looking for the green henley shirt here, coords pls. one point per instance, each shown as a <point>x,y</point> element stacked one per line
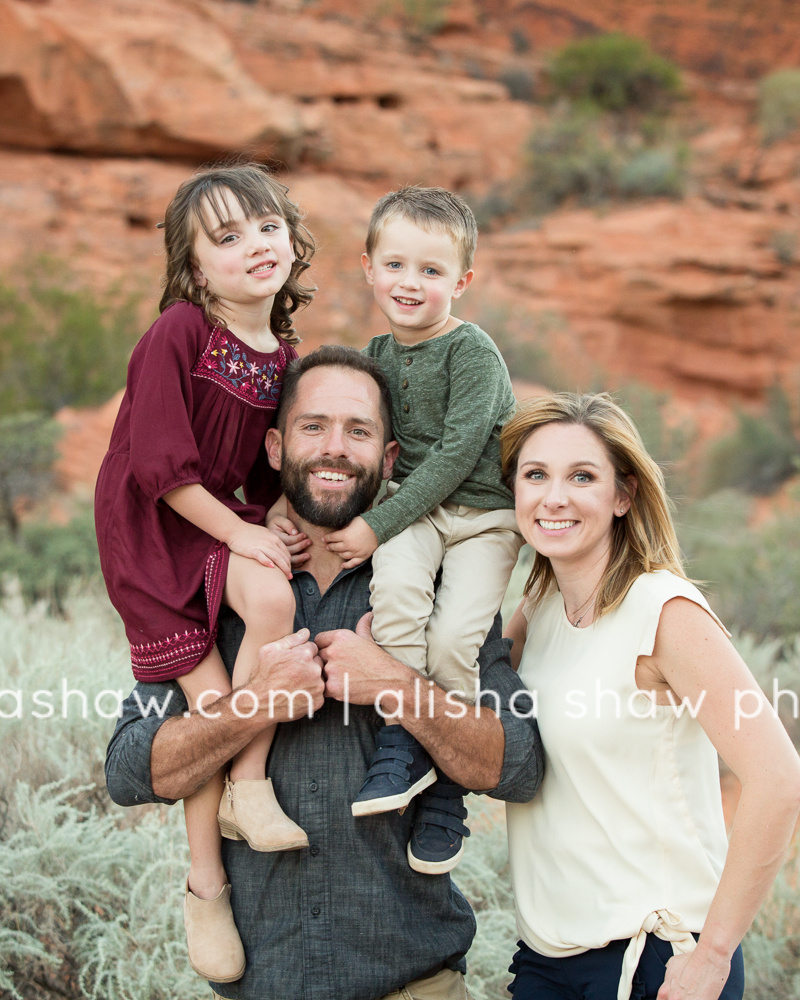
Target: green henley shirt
<point>450,397</point>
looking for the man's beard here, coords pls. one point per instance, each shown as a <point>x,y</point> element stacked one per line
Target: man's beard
<point>335,509</point>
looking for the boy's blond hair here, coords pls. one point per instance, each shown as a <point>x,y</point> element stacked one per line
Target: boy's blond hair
<point>429,208</point>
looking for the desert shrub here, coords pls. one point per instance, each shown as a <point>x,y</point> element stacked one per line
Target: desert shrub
<point>580,156</point>
<point>571,157</point>
<point>422,18</point>
<point>616,73</point>
<point>27,453</point>
<point>61,345</point>
<point>772,947</point>
<point>49,559</point>
<point>752,572</point>
<point>762,453</point>
<point>652,173</point>
<point>784,245</point>
<point>779,104</point>
<point>520,83</point>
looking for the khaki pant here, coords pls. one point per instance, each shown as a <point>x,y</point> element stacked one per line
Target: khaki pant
<point>477,550</point>
<point>445,985</point>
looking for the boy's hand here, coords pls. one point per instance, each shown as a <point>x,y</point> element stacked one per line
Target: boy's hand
<point>295,541</point>
<point>256,542</point>
<point>354,544</point>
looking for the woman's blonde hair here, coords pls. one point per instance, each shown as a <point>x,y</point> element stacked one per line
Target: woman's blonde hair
<point>644,539</point>
<point>258,193</point>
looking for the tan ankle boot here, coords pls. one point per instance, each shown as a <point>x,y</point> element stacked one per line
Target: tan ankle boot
<point>249,811</point>
<point>215,948</point>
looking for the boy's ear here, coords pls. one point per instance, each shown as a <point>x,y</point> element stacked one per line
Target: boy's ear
<point>366,263</point>
<point>463,283</point>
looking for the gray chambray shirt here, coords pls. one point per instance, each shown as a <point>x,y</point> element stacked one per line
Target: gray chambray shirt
<point>346,919</point>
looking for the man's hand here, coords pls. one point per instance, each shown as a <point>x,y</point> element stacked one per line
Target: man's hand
<point>354,543</point>
<point>295,541</point>
<point>700,975</point>
<point>256,542</point>
<point>287,678</point>
<point>356,656</point>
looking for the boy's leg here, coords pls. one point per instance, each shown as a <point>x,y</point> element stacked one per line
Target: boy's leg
<point>481,552</point>
<point>404,570</point>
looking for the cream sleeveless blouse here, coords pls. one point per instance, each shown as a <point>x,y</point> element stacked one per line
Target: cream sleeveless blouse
<point>626,834</point>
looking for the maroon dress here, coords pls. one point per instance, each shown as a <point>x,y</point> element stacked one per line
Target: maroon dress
<point>196,410</point>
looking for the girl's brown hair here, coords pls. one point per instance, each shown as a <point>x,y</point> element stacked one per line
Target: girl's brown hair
<point>258,193</point>
<point>644,539</point>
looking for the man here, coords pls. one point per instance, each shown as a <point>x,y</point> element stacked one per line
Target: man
<point>346,919</point>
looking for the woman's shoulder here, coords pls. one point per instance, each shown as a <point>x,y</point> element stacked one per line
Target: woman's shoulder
<point>647,596</point>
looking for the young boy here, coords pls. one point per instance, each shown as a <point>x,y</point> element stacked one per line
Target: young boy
<point>447,505</point>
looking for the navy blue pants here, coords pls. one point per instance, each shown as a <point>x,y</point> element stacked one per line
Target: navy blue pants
<point>594,975</point>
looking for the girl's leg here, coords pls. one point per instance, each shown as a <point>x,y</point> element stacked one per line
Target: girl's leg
<point>215,948</point>
<point>249,810</point>
<point>263,599</point>
<point>206,873</point>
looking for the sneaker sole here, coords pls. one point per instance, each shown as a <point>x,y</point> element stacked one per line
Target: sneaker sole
<point>372,807</point>
<point>434,867</point>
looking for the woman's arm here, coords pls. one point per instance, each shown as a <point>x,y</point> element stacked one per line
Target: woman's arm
<point>696,660</point>
<point>517,631</point>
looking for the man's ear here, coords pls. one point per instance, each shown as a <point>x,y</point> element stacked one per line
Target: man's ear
<point>366,263</point>
<point>390,453</point>
<point>274,446</point>
<point>463,283</point>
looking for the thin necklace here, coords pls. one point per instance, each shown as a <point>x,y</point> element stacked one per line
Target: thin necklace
<point>585,605</point>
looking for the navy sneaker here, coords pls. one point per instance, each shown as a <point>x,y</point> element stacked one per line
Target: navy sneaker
<point>400,768</point>
<point>437,840</point>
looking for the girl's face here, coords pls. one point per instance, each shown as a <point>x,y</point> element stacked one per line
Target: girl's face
<point>248,260</point>
<point>566,495</point>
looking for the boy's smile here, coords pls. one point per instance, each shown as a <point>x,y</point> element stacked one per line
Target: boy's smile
<point>416,273</point>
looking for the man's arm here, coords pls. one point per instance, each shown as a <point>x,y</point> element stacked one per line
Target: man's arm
<point>495,749</point>
<point>152,759</point>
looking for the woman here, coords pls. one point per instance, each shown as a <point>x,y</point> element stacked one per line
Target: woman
<point>620,861</point>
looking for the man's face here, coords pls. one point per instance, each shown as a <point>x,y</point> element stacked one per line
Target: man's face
<point>331,454</point>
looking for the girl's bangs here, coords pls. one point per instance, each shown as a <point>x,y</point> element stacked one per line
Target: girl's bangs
<point>254,197</point>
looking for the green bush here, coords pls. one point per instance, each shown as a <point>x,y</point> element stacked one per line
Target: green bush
<point>752,573</point>
<point>779,105</point>
<point>571,157</point>
<point>653,173</point>
<point>580,156</point>
<point>762,453</point>
<point>615,73</point>
<point>61,345</point>
<point>49,559</point>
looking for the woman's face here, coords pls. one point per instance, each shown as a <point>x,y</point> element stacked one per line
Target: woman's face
<point>566,495</point>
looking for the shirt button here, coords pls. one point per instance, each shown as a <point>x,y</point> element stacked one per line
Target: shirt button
<point>406,408</point>
<point>409,360</point>
<point>313,851</point>
<point>405,383</point>
<point>315,911</point>
<point>313,786</point>
<point>309,591</point>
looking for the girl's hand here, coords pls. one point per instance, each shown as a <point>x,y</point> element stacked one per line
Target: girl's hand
<point>253,541</point>
<point>354,543</point>
<point>295,541</point>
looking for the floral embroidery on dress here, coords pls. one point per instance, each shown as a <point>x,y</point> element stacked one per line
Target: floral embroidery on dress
<point>225,362</point>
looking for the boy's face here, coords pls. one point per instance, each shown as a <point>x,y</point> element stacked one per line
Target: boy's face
<point>415,274</point>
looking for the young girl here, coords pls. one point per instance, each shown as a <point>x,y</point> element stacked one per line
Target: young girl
<point>175,542</point>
